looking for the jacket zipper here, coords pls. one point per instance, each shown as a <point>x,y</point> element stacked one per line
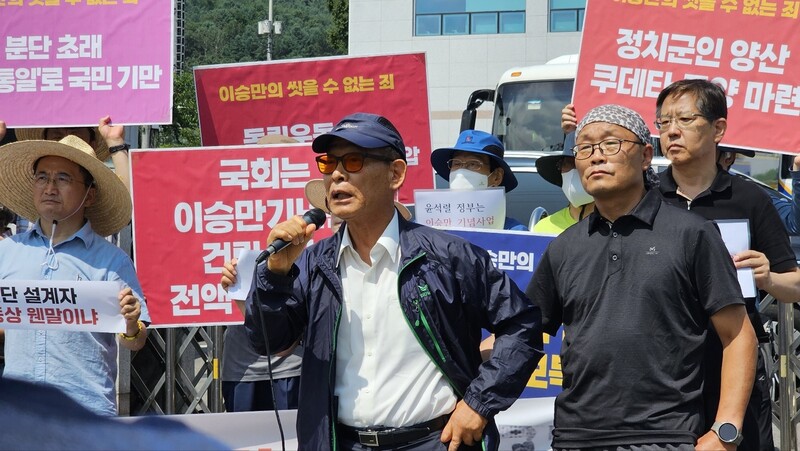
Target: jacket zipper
<point>332,377</point>
<point>427,328</point>
<point>426,325</point>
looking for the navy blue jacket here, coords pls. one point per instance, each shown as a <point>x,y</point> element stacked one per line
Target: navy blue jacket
<point>449,290</point>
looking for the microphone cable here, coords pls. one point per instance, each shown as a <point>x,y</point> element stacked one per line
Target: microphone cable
<point>269,356</point>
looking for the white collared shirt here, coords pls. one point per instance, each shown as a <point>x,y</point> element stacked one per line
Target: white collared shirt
<point>383,375</point>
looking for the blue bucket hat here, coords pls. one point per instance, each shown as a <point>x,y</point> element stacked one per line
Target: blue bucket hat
<point>366,130</point>
<point>478,142</point>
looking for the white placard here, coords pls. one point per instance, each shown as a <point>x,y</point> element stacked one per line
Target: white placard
<point>87,306</point>
<point>246,263</point>
<point>481,208</point>
<point>736,235</point>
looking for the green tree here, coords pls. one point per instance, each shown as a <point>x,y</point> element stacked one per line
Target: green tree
<point>337,33</point>
<point>226,31</point>
<point>184,130</point>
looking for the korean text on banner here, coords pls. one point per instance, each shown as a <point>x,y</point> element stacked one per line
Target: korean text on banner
<point>60,305</point>
<point>70,63</point>
<point>517,253</point>
<point>477,209</point>
<point>187,223</point>
<point>631,50</point>
<point>302,99</point>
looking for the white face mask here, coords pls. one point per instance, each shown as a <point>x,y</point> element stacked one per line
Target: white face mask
<point>571,185</point>
<point>466,179</point>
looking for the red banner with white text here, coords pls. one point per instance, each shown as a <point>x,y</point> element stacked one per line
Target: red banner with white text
<point>302,99</point>
<point>195,209</point>
<point>632,49</point>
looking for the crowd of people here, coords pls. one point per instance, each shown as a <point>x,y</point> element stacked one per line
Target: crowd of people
<point>375,334</point>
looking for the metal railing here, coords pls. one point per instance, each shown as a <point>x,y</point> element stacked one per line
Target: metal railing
<point>177,372</point>
<point>783,368</point>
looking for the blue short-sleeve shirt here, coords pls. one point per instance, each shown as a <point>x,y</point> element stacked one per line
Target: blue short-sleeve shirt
<point>82,364</point>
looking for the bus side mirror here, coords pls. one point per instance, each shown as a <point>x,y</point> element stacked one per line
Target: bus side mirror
<point>470,114</point>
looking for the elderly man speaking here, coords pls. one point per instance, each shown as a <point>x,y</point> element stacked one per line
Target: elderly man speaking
<point>74,200</point>
<point>390,313</point>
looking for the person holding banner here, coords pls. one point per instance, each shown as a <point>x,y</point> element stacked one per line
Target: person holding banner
<point>788,210</point>
<point>691,117</point>
<point>476,162</point>
<point>247,384</point>
<point>635,286</point>
<point>73,200</point>
<point>390,313</point>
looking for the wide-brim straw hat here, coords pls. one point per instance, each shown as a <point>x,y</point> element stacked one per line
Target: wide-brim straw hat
<point>111,210</point>
<point>316,194</point>
<point>100,146</point>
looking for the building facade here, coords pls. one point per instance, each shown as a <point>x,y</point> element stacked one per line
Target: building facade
<point>468,44</point>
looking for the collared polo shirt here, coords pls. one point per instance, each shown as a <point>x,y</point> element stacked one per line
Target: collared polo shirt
<point>81,364</point>
<point>731,197</point>
<point>635,297</point>
<point>383,375</point>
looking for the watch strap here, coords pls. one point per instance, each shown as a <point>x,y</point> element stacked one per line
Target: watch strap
<point>114,149</point>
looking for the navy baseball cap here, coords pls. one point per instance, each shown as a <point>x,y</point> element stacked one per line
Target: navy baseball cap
<point>366,130</point>
<point>479,142</point>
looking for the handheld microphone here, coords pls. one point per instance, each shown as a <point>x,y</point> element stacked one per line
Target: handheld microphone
<point>314,216</point>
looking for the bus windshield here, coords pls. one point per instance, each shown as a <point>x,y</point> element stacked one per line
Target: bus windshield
<point>527,114</point>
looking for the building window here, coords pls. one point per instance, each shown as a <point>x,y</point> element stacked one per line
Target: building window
<point>566,15</point>
<point>512,22</point>
<point>429,25</point>
<point>453,17</point>
<point>484,23</point>
<point>455,24</point>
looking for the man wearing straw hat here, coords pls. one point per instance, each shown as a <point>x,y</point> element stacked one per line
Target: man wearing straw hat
<point>107,140</point>
<point>73,200</point>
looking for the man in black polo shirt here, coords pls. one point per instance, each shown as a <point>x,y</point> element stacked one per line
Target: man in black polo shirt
<point>691,119</point>
<point>635,285</point>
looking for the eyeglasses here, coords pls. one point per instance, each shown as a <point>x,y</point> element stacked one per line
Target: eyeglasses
<point>607,147</point>
<point>61,181</point>
<point>352,162</point>
<point>472,165</point>
<point>682,122</point>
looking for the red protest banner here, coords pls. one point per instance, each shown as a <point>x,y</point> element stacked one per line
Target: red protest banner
<point>302,99</point>
<point>187,224</point>
<point>632,49</point>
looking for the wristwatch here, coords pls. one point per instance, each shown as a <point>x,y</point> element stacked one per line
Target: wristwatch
<point>727,432</point>
<point>118,148</point>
